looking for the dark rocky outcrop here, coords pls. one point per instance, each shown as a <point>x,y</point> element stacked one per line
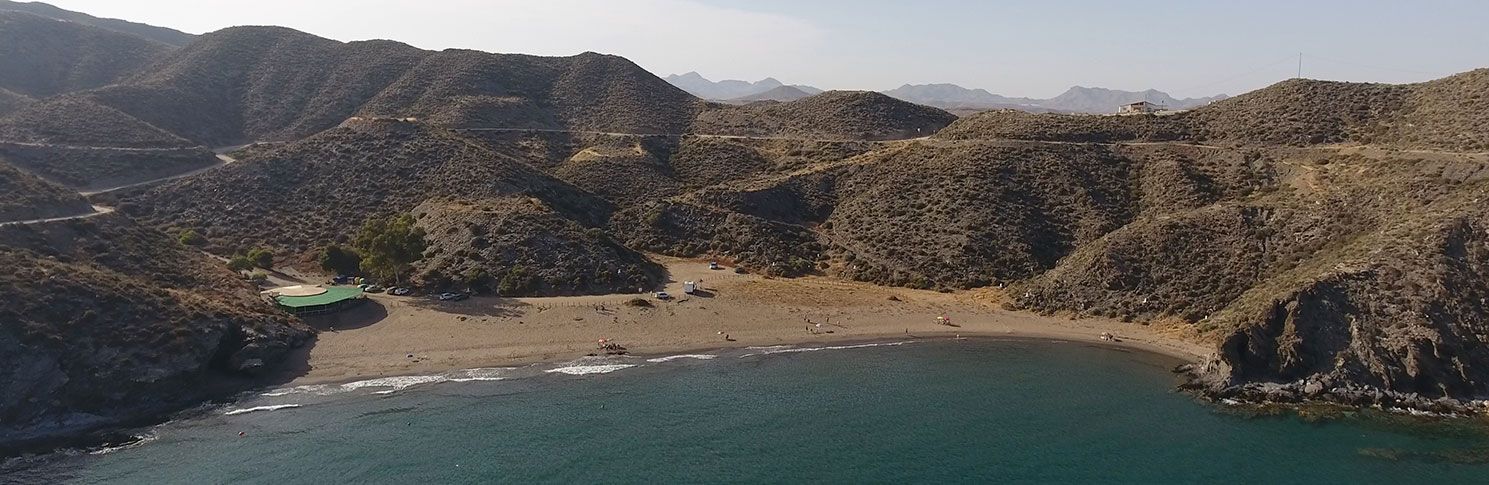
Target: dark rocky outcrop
<point>106,323</point>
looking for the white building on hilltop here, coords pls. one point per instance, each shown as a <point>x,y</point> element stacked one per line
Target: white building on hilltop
<point>1140,107</point>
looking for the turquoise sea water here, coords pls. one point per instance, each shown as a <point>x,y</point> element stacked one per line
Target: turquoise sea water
<point>929,411</point>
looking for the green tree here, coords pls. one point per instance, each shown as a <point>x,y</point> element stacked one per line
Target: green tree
<point>389,246</point>
<point>240,263</point>
<point>340,261</point>
<point>516,282</point>
<point>261,257</point>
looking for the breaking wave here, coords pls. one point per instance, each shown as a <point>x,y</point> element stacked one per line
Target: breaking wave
<point>275,407</point>
<point>683,356</point>
<point>579,370</point>
<point>785,349</point>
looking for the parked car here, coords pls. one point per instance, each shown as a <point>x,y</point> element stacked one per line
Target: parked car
<point>713,265</point>
<point>451,296</point>
<point>373,289</point>
<point>662,295</point>
<point>400,291</point>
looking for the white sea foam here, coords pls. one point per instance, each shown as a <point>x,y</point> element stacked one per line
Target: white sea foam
<point>275,407</point>
<point>478,374</point>
<point>683,356</point>
<point>770,347</point>
<point>393,384</point>
<point>579,370</point>
<point>139,440</point>
<point>389,385</point>
<point>831,347</point>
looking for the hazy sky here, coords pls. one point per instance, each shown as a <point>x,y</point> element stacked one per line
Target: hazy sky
<point>1015,47</point>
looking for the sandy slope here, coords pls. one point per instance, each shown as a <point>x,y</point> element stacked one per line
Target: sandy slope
<point>377,338</point>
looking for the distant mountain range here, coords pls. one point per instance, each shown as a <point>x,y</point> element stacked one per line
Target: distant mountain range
<point>1078,99</point>
<point>729,89</point>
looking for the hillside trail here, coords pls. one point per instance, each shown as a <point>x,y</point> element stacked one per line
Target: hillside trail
<point>697,135</point>
<point>99,210</point>
<point>222,158</point>
<point>61,146</point>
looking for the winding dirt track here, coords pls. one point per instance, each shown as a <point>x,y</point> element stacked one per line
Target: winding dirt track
<point>99,210</point>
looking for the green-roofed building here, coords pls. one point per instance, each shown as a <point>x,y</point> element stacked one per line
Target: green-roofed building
<point>305,300</point>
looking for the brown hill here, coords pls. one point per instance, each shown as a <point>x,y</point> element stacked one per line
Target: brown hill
<point>1022,125</point>
<point>1451,113</point>
<point>158,34</point>
<point>1443,114</point>
<point>79,120</point>
<point>298,196</point>
<point>246,84</point>
<point>107,323</point>
<point>832,115</point>
<point>282,84</point>
<point>779,93</point>
<point>1295,260</point>
<point>592,92</point>
<point>630,169</point>
<point>518,246</point>
<point>41,57</point>
<point>1301,112</point>
<point>24,197</point>
<point>84,168</point>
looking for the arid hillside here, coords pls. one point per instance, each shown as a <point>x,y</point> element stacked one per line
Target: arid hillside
<point>587,92</point>
<point>246,84</point>
<point>158,34</point>
<point>300,195</point>
<point>24,196</point>
<point>108,322</point>
<point>1442,114</point>
<point>861,115</point>
<point>85,168</point>
<point>77,120</point>
<point>41,57</point>
<point>11,101</point>
<point>1325,237</point>
<point>518,246</point>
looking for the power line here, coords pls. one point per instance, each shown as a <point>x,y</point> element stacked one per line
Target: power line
<point>1241,75</point>
<point>1369,66</point>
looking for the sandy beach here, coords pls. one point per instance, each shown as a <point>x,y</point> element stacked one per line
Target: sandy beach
<point>391,336</point>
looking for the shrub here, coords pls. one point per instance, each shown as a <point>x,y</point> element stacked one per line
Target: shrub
<point>261,257</point>
<point>477,279</point>
<point>516,282</point>
<point>190,237</point>
<point>240,264</point>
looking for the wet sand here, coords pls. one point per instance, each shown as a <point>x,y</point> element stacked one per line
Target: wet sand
<point>392,336</point>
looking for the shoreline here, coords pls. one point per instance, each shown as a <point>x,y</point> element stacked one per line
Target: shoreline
<point>1173,355</point>
<point>391,336</point>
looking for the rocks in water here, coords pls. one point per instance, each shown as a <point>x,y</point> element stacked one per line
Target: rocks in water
<point>1316,390</point>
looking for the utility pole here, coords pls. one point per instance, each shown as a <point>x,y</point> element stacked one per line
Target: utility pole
<point>1300,65</point>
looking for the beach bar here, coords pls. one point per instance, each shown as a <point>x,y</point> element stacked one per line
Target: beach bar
<point>306,300</point>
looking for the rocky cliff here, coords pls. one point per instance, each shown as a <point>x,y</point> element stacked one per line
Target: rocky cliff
<point>106,323</point>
